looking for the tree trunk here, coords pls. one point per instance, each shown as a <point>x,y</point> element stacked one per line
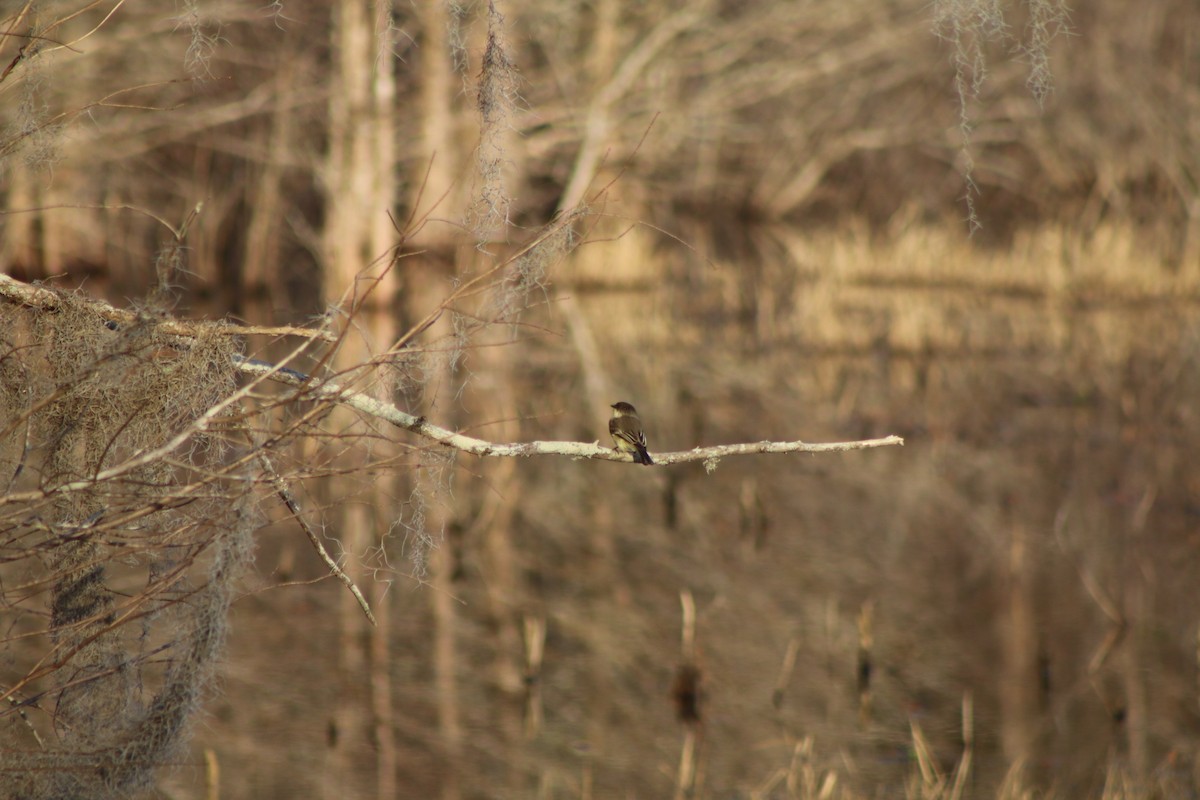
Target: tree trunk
<point>360,181</point>
<point>1019,692</point>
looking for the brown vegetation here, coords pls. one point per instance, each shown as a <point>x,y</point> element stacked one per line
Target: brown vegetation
<point>760,237</point>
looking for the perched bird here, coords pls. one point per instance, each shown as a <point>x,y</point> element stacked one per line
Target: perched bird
<point>626,429</point>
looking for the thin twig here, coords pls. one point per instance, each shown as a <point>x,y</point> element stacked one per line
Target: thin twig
<point>285,494</point>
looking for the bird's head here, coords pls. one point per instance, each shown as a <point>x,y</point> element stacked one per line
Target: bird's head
<point>623,409</point>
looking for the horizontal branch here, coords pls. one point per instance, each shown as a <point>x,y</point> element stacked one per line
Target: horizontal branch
<point>39,297</point>
<point>329,390</point>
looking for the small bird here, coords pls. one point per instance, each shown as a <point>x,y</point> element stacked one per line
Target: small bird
<point>626,429</point>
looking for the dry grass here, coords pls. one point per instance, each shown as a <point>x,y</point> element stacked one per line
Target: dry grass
<point>937,290</point>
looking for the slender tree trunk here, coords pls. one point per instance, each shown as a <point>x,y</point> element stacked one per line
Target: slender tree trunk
<point>496,404</point>
<point>445,661</point>
<point>1019,692</point>
<point>443,559</point>
<point>1133,670</point>
<point>261,268</point>
<point>360,180</point>
<point>19,245</point>
<point>381,162</point>
<point>1135,664</point>
<point>437,171</point>
<point>437,187</point>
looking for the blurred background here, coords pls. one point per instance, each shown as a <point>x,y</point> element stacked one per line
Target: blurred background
<point>972,224</point>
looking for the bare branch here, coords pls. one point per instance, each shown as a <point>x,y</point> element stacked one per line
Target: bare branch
<point>39,297</point>
<point>329,390</point>
<point>285,494</point>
